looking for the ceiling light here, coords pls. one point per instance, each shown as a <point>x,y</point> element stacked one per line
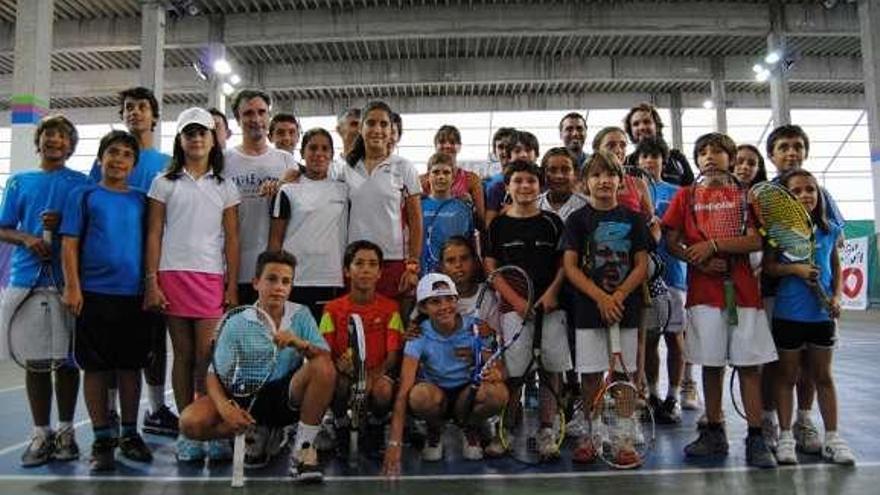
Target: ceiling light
<point>222,67</point>
<point>773,57</point>
<point>757,68</point>
<point>234,79</point>
<point>762,76</point>
<point>707,104</point>
<point>227,89</point>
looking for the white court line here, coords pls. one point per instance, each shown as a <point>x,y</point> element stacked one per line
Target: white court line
<point>11,389</point>
<point>442,477</point>
<point>13,448</point>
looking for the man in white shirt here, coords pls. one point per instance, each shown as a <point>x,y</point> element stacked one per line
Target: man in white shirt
<point>256,168</point>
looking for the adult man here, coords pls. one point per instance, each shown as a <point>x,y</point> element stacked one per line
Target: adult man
<point>573,133</point>
<point>139,110</point>
<point>643,121</point>
<point>347,126</point>
<point>255,167</point>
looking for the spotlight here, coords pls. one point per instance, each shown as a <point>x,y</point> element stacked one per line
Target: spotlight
<point>762,76</point>
<point>222,67</point>
<point>227,89</point>
<point>772,57</point>
<point>234,79</point>
<point>707,104</point>
<point>757,68</point>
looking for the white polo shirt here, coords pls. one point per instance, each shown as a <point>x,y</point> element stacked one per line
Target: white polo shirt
<point>193,240</point>
<point>248,172</point>
<point>317,214</point>
<point>574,202</point>
<point>377,200</point>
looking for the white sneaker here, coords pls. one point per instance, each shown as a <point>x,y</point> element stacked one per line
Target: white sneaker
<point>547,448</point>
<point>690,398</point>
<point>838,452</point>
<point>770,432</point>
<point>432,451</point>
<point>785,449</point>
<point>256,454</point>
<point>495,448</point>
<point>807,437</point>
<point>577,427</point>
<point>470,445</point>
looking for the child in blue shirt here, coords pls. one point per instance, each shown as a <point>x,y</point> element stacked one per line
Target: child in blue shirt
<point>801,323</point>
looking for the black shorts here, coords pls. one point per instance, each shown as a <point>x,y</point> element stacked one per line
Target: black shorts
<point>112,333</point>
<point>273,405</point>
<point>315,298</point>
<point>247,294</point>
<point>791,335</point>
<point>452,395</point>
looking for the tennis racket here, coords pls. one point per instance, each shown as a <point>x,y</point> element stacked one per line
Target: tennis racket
<point>719,210</point>
<point>243,360</point>
<point>787,227</point>
<point>449,219</point>
<point>524,441</point>
<point>357,401</point>
<point>620,417</point>
<point>40,331</point>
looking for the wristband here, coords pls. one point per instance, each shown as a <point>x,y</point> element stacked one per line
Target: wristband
<point>150,276</point>
<point>394,443</point>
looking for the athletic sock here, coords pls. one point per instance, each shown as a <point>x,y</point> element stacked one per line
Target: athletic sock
<point>769,415</point>
<point>128,429</point>
<point>673,392</point>
<point>64,426</point>
<point>112,399</point>
<point>653,390</point>
<point>830,435</point>
<point>102,433</point>
<point>305,434</point>
<point>803,416</point>
<point>42,431</point>
<point>156,394</point>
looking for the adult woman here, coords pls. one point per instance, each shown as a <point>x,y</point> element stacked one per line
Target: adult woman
<point>382,189</point>
<point>466,185</point>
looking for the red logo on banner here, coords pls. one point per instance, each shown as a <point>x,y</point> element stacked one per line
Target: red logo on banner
<point>853,278</point>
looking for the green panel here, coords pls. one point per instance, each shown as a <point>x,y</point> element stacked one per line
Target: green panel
<point>865,228</point>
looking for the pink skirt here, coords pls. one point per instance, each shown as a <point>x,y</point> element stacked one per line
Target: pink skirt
<point>192,294</point>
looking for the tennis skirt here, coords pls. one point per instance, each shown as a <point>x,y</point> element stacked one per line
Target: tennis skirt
<point>192,294</point>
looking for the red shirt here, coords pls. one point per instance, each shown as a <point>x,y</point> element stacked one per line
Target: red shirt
<point>704,288</point>
<point>383,328</point>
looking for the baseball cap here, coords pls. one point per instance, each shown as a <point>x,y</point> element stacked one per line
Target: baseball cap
<point>194,115</point>
<point>435,285</point>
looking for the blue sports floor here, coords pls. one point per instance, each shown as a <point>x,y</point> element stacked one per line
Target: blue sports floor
<point>666,471</point>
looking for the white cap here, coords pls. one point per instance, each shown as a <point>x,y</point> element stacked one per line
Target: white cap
<point>435,285</point>
<point>194,115</point>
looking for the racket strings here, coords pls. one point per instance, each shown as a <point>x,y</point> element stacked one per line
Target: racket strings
<point>245,353</point>
<point>718,210</point>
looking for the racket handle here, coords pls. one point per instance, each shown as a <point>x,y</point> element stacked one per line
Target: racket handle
<point>238,461</point>
<point>614,338</point>
<point>730,302</point>
<point>47,236</point>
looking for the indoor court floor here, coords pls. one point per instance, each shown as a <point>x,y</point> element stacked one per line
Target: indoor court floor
<point>665,472</point>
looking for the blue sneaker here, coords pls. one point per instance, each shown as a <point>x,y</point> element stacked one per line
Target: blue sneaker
<point>189,450</point>
<point>219,450</point>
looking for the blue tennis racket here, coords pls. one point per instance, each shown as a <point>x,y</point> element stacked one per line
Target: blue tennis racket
<point>244,359</point>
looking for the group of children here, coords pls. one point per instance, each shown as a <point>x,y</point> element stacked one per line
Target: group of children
<point>149,244</point>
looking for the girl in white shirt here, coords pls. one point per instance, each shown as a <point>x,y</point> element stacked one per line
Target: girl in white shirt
<point>192,254</point>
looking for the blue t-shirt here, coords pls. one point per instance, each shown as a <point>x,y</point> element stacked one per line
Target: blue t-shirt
<point>496,192</point>
<point>676,269</point>
<point>445,361</point>
<point>151,162</point>
<point>28,195</point>
<point>110,227</point>
<point>298,320</point>
<point>795,300</point>
<point>442,219</point>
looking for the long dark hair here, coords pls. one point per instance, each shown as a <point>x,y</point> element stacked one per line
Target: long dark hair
<point>178,159</point>
<point>311,133</point>
<point>761,174</point>
<point>359,149</point>
<point>819,214</point>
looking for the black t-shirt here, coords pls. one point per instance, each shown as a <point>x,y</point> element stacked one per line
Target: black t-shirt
<point>606,243</point>
<point>533,244</point>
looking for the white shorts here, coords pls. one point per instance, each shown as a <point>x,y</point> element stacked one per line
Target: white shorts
<point>591,349</point>
<point>667,311</point>
<point>710,341</point>
<point>32,317</point>
<point>555,354</point>
<point>769,304</point>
